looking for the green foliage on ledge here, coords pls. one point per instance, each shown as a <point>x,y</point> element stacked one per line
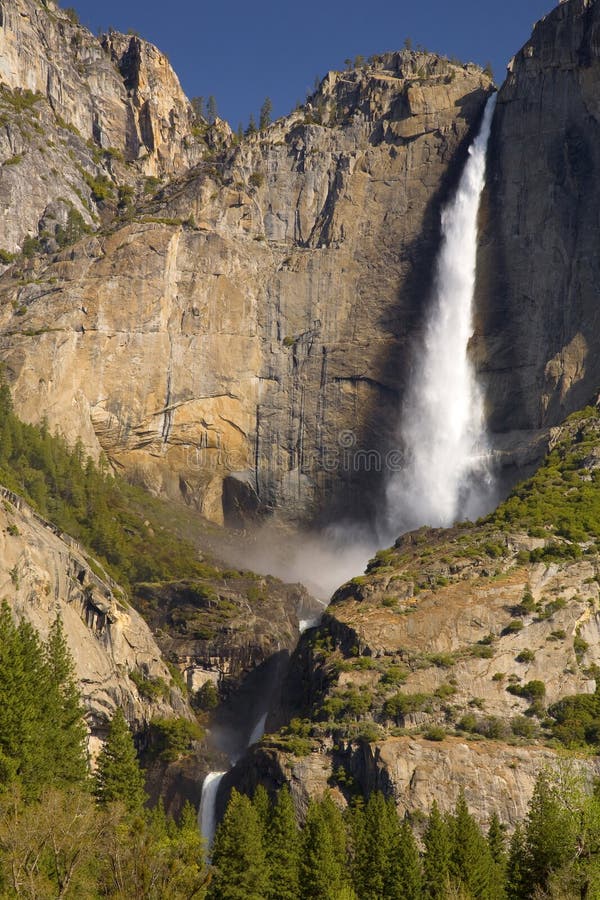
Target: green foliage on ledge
<point>562,499</point>
<point>119,523</point>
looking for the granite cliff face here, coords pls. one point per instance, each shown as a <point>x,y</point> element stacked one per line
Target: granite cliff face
<point>83,120</point>
<point>270,298</point>
<point>42,574</point>
<point>539,266</point>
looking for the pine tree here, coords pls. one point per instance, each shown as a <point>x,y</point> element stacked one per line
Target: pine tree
<point>211,110</point>
<point>283,849</point>
<point>337,828</point>
<point>376,846</point>
<point>496,839</point>
<point>436,861</point>
<point>238,854</point>
<point>67,730</point>
<point>118,774</point>
<point>470,859</point>
<point>407,874</point>
<point>26,717</point>
<point>265,114</point>
<point>262,805</point>
<point>516,870</point>
<point>187,869</point>
<point>251,129</point>
<point>549,834</point>
<point>198,106</point>
<point>321,869</point>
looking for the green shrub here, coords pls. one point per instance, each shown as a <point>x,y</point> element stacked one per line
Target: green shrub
<point>350,704</point>
<point>522,727</point>
<point>364,663</point>
<point>577,720</point>
<point>527,604</point>
<point>71,15</point>
<point>525,656</point>
<point>444,691</point>
<point>435,733</point>
<point>100,186</point>
<point>206,697</point>
<point>257,179</point>
<point>442,660</point>
<point>31,246</point>
<point>579,646</point>
<point>172,738</point>
<point>468,722</point>
<point>148,687</point>
<point>150,184</point>
<point>552,607</point>
<point>514,627</point>
<point>401,705</point>
<point>532,690</point>
<point>563,497</point>
<point>394,675</point>
<point>558,635</point>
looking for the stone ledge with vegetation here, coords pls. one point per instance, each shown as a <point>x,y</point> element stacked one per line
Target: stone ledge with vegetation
<point>477,645</point>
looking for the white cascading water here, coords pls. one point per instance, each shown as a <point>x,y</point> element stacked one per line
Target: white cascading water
<point>447,471</point>
<point>207,811</point>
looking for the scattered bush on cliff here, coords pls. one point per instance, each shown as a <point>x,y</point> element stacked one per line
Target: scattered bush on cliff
<point>576,720</point>
<point>115,520</point>
<point>562,499</point>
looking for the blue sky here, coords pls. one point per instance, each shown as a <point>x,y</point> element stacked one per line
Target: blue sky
<point>244,50</point>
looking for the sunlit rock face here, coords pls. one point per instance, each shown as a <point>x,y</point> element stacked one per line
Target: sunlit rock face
<point>44,574</point>
<point>252,358</point>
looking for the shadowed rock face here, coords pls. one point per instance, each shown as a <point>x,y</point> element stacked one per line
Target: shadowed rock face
<point>539,265</point>
<point>252,359</point>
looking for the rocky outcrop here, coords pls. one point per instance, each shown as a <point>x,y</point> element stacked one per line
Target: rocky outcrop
<point>539,266</point>
<point>44,574</point>
<point>445,665</point>
<point>119,91</point>
<point>495,778</point>
<point>242,342</point>
<point>223,628</point>
<point>83,120</point>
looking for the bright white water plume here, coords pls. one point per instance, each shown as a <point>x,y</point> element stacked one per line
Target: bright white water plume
<point>207,811</point>
<point>447,474</point>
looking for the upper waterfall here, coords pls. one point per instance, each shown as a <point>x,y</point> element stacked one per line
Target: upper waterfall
<point>447,471</point>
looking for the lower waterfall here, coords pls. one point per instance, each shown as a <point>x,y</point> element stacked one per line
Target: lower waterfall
<point>447,471</point>
<point>207,811</point>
